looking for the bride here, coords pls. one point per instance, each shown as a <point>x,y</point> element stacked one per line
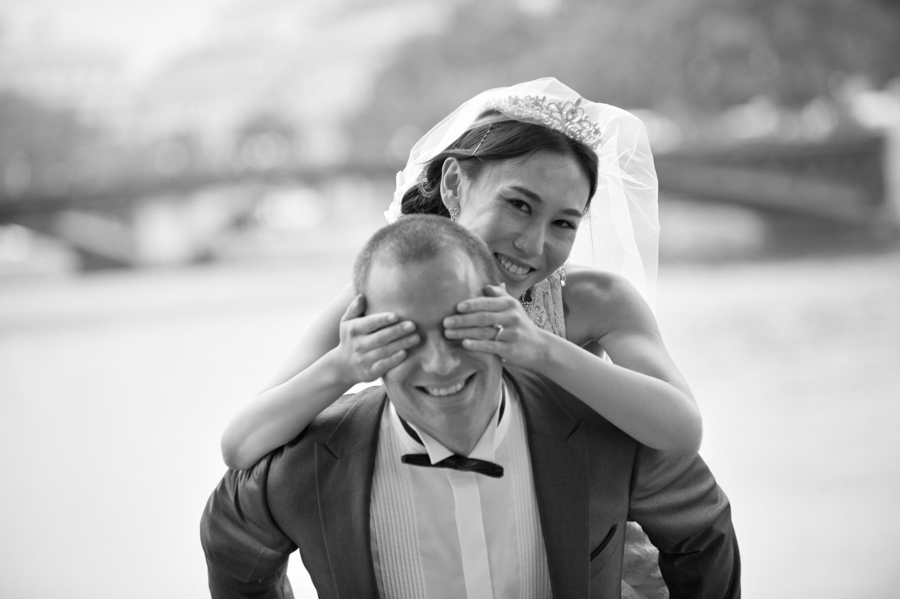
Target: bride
<point>548,180</point>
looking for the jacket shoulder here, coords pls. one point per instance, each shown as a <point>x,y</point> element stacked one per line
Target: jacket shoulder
<point>349,425</point>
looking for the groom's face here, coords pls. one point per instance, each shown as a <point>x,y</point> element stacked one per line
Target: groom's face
<point>440,383</point>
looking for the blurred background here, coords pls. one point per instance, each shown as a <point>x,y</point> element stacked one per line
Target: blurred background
<point>183,186</point>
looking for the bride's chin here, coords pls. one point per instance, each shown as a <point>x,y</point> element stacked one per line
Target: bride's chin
<point>518,289</point>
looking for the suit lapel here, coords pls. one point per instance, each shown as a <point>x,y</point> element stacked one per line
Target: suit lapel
<point>560,464</point>
<point>345,465</point>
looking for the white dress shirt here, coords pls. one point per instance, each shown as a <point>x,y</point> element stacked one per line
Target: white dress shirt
<point>440,533</point>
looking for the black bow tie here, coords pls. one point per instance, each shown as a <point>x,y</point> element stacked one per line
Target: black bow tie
<point>454,462</point>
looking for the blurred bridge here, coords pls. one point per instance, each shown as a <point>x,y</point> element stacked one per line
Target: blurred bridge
<point>156,220</point>
<point>841,182</point>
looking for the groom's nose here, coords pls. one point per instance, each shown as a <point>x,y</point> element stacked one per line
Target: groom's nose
<point>438,355</point>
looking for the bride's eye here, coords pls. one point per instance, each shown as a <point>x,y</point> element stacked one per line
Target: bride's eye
<point>565,224</point>
<point>520,205</point>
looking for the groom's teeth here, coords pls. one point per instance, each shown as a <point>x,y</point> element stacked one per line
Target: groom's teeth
<point>442,391</point>
<point>511,267</point>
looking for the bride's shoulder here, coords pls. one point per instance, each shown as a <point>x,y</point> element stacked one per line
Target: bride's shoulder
<point>585,285</point>
<point>597,301</point>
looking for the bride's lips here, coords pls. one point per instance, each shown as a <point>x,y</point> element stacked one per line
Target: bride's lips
<point>513,268</point>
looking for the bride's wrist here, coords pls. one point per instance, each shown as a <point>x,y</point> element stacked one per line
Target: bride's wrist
<point>336,371</point>
<point>540,351</point>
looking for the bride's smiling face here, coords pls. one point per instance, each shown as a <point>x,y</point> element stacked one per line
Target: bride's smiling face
<point>527,210</point>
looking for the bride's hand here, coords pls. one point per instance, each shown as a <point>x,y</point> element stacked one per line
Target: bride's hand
<point>373,344</point>
<point>480,319</point>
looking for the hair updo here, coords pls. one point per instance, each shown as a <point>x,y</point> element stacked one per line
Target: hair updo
<point>496,139</point>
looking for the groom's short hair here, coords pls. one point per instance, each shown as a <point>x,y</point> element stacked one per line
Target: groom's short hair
<point>420,238</point>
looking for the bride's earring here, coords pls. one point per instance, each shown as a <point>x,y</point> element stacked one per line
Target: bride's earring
<point>454,211</point>
<point>561,272</point>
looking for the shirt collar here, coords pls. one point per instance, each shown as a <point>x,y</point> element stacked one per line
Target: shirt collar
<point>484,449</point>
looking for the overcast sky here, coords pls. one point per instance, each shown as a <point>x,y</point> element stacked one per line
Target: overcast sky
<point>144,31</point>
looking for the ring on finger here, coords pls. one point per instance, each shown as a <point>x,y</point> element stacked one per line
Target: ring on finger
<point>499,328</point>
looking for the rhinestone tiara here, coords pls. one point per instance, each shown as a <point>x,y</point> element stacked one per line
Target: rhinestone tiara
<point>568,117</point>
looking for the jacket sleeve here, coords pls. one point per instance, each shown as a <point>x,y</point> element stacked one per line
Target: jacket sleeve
<point>246,551</point>
<point>688,517</point>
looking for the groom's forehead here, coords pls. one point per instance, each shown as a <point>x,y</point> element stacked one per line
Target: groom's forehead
<point>431,287</point>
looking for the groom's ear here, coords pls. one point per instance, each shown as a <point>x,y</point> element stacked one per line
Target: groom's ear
<point>451,181</point>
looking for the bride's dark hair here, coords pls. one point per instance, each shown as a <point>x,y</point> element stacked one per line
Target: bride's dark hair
<point>494,140</point>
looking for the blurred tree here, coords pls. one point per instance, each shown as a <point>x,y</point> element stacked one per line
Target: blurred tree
<point>173,155</point>
<point>40,146</point>
<point>46,149</point>
<point>683,57</point>
<point>432,75</point>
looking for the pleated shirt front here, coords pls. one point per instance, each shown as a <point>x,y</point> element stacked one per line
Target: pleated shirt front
<point>445,534</point>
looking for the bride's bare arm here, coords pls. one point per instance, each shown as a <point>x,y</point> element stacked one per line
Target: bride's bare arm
<point>657,406</point>
<point>641,391</point>
<point>341,348</point>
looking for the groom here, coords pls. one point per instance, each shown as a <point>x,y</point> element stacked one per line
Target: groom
<point>459,478</point>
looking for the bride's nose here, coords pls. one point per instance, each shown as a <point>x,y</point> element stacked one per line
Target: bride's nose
<point>530,241</point>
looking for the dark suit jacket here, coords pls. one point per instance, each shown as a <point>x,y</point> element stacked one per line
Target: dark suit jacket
<point>589,478</point>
